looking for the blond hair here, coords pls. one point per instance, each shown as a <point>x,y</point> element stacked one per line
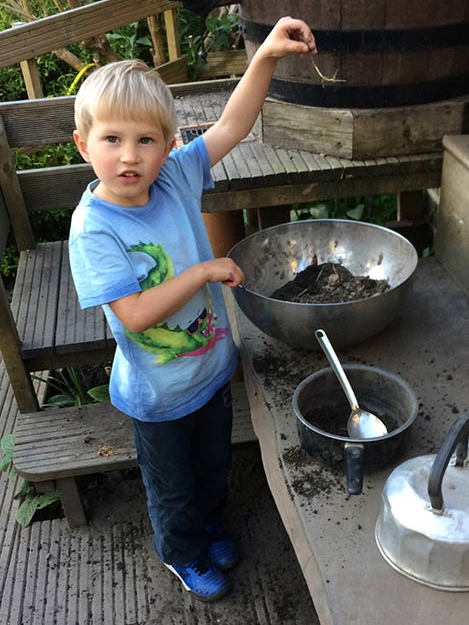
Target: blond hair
<point>129,90</point>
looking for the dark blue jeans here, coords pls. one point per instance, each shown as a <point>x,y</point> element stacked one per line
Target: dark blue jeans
<point>185,465</point>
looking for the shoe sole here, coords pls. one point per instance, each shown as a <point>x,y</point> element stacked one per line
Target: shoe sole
<point>225,590</point>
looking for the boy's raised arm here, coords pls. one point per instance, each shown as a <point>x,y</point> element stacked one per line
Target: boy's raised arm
<point>288,36</point>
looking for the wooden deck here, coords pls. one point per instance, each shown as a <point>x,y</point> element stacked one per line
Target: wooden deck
<point>106,572</point>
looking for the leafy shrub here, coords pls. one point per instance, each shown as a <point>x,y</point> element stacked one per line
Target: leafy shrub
<point>31,500</point>
<point>371,208</point>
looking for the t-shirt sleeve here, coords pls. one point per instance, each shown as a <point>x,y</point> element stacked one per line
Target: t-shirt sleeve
<point>101,270</point>
<point>191,163</point>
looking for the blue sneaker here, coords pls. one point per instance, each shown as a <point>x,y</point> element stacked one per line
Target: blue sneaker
<point>202,580</point>
<point>222,550</point>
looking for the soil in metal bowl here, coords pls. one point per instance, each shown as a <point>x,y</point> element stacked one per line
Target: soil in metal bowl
<point>329,283</point>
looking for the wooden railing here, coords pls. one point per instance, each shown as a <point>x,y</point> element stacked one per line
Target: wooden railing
<point>25,41</point>
<point>57,31</point>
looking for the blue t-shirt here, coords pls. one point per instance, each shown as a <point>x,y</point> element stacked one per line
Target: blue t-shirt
<point>175,367</point>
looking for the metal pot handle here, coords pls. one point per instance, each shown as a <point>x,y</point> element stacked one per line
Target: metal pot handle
<point>354,456</point>
<point>456,438</point>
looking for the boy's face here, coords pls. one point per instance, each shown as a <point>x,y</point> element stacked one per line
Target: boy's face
<point>126,157</point>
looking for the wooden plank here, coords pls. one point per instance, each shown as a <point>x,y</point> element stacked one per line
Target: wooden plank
<point>44,299</point>
<point>58,31</point>
<point>12,357</point>
<point>54,187</point>
<point>77,329</point>
<point>172,37</point>
<point>275,162</point>
<point>312,191</point>
<point>219,175</point>
<point>406,130</point>
<point>263,162</point>
<point>224,63</point>
<point>37,315</point>
<point>4,226</point>
<point>308,128</point>
<point>50,120</point>
<point>174,71</point>
<point>38,122</point>
<point>12,195</point>
<point>249,158</point>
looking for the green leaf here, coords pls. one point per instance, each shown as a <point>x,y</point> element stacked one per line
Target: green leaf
<point>26,511</point>
<point>46,499</point>
<point>144,41</point>
<point>27,488</point>
<point>5,463</point>
<point>357,212</point>
<point>59,401</point>
<point>7,444</point>
<point>100,393</point>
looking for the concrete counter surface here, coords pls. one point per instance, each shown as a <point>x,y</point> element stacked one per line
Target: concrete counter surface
<point>331,531</point>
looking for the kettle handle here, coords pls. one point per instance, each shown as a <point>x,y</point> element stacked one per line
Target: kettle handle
<point>457,437</point>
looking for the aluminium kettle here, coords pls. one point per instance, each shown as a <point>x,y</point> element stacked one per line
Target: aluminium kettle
<point>418,532</point>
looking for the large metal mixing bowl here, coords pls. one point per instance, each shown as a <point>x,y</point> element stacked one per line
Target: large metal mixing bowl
<point>273,256</point>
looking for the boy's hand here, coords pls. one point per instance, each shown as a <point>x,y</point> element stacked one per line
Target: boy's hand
<point>288,36</point>
<point>223,270</point>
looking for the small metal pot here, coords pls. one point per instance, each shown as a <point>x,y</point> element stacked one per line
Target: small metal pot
<point>420,534</point>
<point>384,394</point>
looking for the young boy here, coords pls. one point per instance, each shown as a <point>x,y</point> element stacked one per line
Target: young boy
<point>138,247</point>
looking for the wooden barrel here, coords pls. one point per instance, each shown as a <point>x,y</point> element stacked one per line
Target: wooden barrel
<point>398,53</point>
<point>394,53</point>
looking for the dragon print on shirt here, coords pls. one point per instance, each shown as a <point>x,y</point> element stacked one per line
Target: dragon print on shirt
<point>191,330</point>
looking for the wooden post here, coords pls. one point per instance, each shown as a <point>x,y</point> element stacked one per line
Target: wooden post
<point>71,501</point>
<point>31,77</point>
<point>156,39</point>
<point>410,205</point>
<point>273,216</point>
<point>10,347</point>
<point>172,38</point>
<point>224,229</point>
<point>14,201</point>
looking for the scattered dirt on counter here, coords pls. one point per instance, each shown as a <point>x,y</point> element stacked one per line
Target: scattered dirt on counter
<point>310,478</point>
<point>329,283</point>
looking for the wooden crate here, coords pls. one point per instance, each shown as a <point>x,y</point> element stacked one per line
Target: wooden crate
<point>363,133</point>
<point>452,217</point>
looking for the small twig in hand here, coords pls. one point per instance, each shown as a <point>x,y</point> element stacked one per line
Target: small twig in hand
<point>325,78</point>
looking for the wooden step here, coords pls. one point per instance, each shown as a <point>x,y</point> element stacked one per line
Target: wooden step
<point>67,442</point>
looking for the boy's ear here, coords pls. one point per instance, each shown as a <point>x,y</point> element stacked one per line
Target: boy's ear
<point>169,146</point>
<point>81,145</point>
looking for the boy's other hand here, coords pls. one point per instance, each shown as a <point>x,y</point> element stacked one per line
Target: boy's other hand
<point>289,36</point>
<point>223,270</point>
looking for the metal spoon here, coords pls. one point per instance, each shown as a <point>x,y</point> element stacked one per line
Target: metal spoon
<point>361,424</point>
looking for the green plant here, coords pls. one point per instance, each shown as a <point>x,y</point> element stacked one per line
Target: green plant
<point>31,500</point>
<point>132,42</point>
<point>70,384</point>
<point>373,208</point>
<point>221,33</point>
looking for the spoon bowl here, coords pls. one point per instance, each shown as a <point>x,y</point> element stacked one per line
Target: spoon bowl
<point>361,423</point>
